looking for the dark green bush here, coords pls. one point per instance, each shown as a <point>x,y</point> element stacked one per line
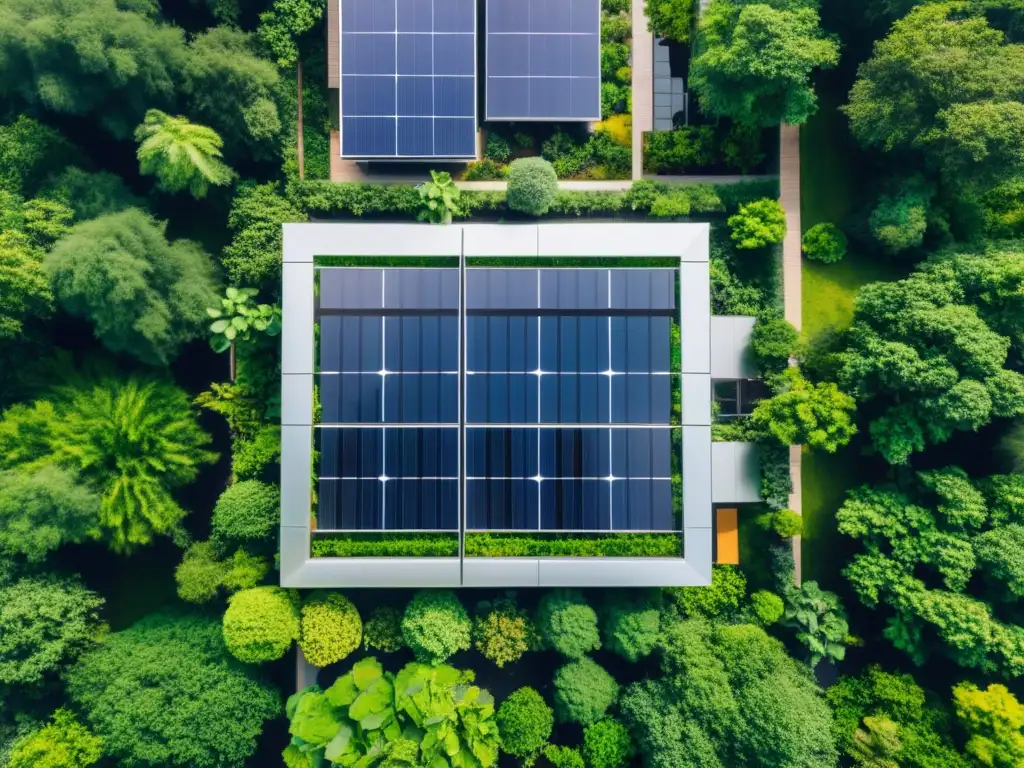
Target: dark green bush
<point>679,151</point>
<point>613,57</point>
<point>485,170</point>
<point>612,545</point>
<point>247,511</point>
<point>583,692</point>
<point>386,545</point>
<point>741,147</point>
<point>383,630</point>
<point>767,607</point>
<point>630,625</point>
<point>720,600</point>
<point>567,623</point>
<point>672,19</point>
<point>607,744</point>
<point>824,242</point>
<point>772,342</point>
<point>497,149</point>
<point>564,757</point>
<point>250,459</point>
<point>615,99</point>
<point>532,185</point>
<point>525,721</point>
<point>776,479</point>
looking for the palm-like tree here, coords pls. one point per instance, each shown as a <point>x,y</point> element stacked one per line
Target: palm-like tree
<point>182,155</point>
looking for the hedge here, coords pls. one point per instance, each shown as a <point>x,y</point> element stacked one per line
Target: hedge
<point>328,200</point>
<point>386,545</point>
<point>569,545</point>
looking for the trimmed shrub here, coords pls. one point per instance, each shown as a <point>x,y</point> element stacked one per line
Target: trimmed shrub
<point>758,224</point>
<point>824,242</point>
<point>383,630</point>
<point>615,545</point>
<point>631,628</point>
<point>785,522</point>
<point>503,633</point>
<point>260,624</point>
<point>721,599</point>
<point>247,511</point>
<point>583,692</point>
<point>525,721</point>
<point>251,458</point>
<point>386,545</point>
<point>567,623</point>
<point>564,757</point>
<point>435,625</point>
<point>532,185</point>
<point>607,744</point>
<point>679,151</point>
<point>767,607</point>
<point>484,170</point>
<point>772,342</point>
<point>331,629</point>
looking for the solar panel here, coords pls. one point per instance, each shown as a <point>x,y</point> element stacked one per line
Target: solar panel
<point>408,78</point>
<point>543,60</point>
<point>556,348</point>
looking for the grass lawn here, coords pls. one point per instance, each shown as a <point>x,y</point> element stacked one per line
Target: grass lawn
<point>825,480</point>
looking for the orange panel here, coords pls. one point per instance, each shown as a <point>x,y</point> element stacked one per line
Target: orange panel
<point>728,534</point>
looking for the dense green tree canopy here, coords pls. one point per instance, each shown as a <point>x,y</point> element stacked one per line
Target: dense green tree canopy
<point>919,560</point>
<point>925,357</point>
<point>994,721</point>
<point>755,59</point>
<point>45,623</point>
<point>801,413</point>
<point>132,440</point>
<point>24,287</point>
<point>144,295</point>
<point>164,692</point>
<point>729,695</point>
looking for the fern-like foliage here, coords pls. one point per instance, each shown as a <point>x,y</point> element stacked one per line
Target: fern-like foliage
<point>132,440</point>
<point>182,155</point>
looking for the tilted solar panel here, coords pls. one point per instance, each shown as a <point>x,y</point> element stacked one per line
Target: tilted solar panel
<point>543,60</point>
<point>408,78</point>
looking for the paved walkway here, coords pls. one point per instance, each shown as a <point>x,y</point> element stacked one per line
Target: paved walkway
<point>642,61</point>
<point>789,183</point>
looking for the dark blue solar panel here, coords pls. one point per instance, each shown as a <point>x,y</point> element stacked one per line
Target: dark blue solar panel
<point>399,61</point>
<point>543,60</point>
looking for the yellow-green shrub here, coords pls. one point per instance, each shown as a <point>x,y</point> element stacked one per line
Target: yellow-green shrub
<point>331,629</point>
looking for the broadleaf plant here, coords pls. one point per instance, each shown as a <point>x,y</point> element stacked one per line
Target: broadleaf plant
<point>237,318</point>
<point>440,198</point>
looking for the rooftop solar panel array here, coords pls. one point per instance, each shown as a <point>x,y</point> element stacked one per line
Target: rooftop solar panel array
<point>543,60</point>
<point>566,422</point>
<point>408,78</point>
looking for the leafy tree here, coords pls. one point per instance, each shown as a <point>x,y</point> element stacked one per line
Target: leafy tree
<point>919,561</point>
<point>767,607</point>
<point>502,632</point>
<point>144,295</point>
<point>254,255</point>
<point>331,629</point>
<point>567,623</point>
<point>924,727</point>
<point>64,743</point>
<point>91,194</point>
<point>784,522</point>
<point>89,59</point>
<point>202,573</point>
<point>45,623</point>
<point>42,510</point>
<point>942,82</point>
<point>234,91</point>
<point>819,619</point>
<point>755,61</point>
<point>24,288</point>
<point>286,21</point>
<point>525,722</point>
<point>583,691</point>
<point>564,757</point>
<point>164,692</point>
<point>29,153</point>
<point>248,511</point>
<point>929,362</point>
<point>1000,554</point>
<point>758,224</point>
<point>728,695</point>
<point>532,185</point>
<point>672,19</point>
<point>720,600</point>
<point>802,413</point>
<point>607,744</point>
<point>994,720</point>
<point>772,342</point>
<point>236,319</point>
<point>877,744</point>
<point>631,626</point>
<point>901,217</point>
<point>132,440</point>
<point>383,630</point>
<point>261,624</point>
<point>182,155</point>
<point>824,242</point>
<point>436,625</point>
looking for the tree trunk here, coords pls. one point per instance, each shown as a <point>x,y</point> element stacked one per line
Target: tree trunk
<point>298,131</point>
